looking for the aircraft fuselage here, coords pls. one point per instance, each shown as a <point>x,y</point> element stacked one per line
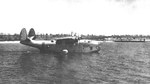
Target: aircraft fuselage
<point>63,44</point>
<point>82,46</point>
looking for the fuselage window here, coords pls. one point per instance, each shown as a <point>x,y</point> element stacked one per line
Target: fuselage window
<point>91,48</point>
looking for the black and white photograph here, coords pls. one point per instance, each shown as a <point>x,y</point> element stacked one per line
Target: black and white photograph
<point>74,41</point>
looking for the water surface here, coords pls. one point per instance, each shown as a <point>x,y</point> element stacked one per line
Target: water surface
<point>115,64</point>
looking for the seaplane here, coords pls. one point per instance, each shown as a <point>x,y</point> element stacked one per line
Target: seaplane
<point>72,44</point>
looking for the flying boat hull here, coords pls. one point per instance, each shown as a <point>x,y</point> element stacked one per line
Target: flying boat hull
<point>66,44</point>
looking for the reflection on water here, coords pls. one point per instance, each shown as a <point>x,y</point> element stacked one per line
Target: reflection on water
<point>26,63</point>
<point>111,66</point>
<point>49,68</point>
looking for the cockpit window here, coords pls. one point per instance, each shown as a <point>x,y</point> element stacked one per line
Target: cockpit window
<point>66,41</point>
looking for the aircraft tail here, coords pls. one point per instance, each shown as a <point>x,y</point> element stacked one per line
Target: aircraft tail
<point>31,34</point>
<point>26,38</point>
<point>23,35</point>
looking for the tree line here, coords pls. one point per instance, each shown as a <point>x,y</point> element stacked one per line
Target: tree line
<point>16,37</point>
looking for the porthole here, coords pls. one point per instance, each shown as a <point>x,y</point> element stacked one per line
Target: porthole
<point>48,46</point>
<point>91,48</point>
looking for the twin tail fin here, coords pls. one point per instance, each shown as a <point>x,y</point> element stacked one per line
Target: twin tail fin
<point>31,35</point>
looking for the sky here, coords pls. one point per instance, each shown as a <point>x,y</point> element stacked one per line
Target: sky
<point>99,17</point>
